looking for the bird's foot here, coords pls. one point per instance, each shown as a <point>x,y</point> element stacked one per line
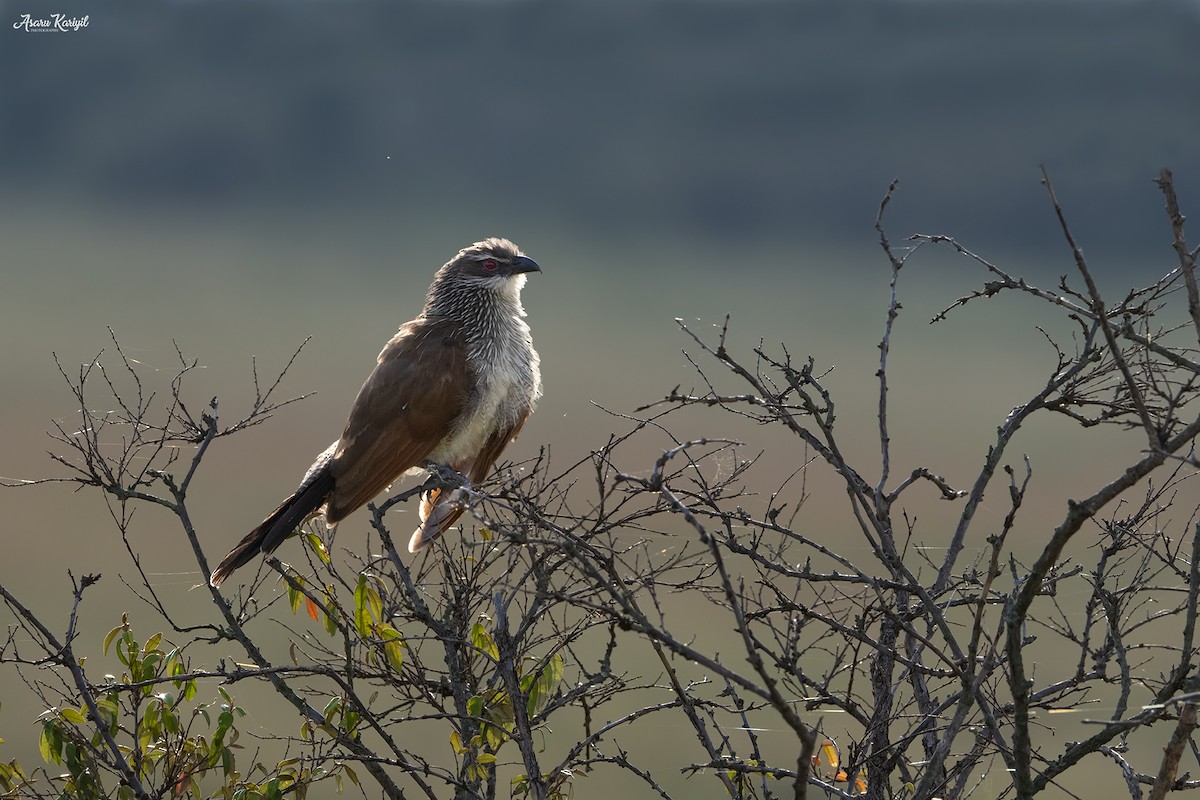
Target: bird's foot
<point>443,476</point>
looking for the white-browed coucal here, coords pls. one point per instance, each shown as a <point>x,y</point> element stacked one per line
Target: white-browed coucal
<point>452,388</point>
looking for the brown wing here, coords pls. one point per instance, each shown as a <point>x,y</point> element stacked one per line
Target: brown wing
<point>440,510</point>
<point>407,405</point>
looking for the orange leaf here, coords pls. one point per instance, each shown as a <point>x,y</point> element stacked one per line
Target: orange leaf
<point>313,609</point>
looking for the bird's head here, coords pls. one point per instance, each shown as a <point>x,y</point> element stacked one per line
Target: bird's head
<point>494,265</point>
<point>493,259</point>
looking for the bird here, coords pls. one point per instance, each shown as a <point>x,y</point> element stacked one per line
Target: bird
<point>450,390</point>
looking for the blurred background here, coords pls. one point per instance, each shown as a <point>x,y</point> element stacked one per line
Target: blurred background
<point>233,177</point>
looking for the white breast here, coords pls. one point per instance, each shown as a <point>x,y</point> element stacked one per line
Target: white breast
<point>508,384</point>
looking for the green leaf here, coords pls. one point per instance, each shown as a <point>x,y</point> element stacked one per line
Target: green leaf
<point>332,707</point>
<point>150,666</point>
<point>351,774</point>
<point>152,643</point>
<point>483,641</point>
<point>151,718</point>
<point>71,756</point>
<point>224,723</point>
<point>330,619</point>
<point>110,710</point>
<point>170,721</point>
<point>295,596</point>
<point>123,650</point>
<point>362,617</point>
<point>50,745</point>
<point>547,681</point>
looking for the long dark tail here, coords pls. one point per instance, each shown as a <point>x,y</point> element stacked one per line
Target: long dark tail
<point>281,524</point>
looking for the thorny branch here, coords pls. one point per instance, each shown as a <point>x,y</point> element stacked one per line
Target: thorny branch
<point>645,587</point>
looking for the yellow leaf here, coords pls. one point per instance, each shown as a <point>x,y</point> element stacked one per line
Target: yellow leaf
<point>113,634</point>
<point>375,603</point>
<point>72,716</point>
<point>829,750</point>
<point>482,640</point>
<point>318,546</point>
<point>362,613</point>
<point>393,645</point>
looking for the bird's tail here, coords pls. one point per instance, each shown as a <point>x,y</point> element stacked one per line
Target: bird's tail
<point>282,523</point>
<point>439,510</point>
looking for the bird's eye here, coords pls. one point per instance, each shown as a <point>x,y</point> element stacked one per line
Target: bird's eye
<point>489,264</point>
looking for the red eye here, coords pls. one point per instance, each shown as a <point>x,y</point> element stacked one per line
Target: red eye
<point>489,264</point>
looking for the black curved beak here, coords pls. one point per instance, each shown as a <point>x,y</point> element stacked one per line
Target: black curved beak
<point>524,264</point>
